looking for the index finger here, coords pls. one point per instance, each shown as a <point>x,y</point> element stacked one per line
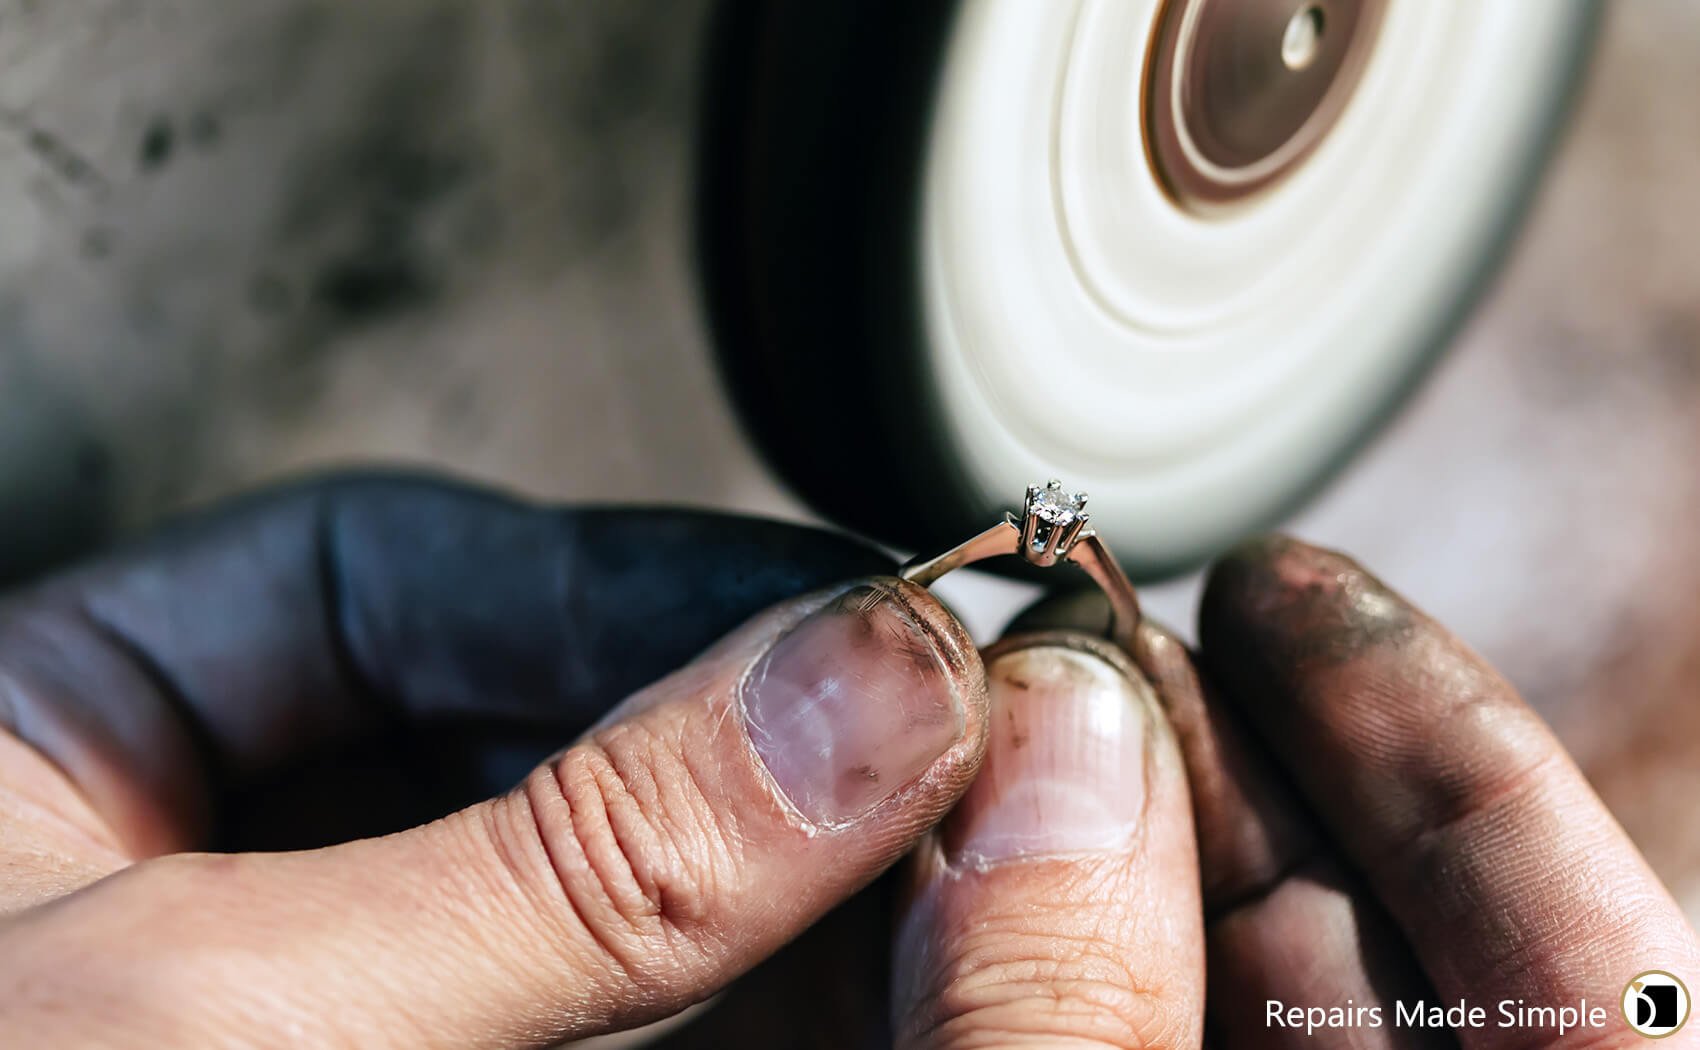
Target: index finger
<point>1510,878</point>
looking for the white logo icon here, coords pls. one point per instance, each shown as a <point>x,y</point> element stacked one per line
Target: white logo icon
<point>1655,1004</point>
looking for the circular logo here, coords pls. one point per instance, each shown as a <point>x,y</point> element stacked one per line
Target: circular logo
<point>1655,1004</point>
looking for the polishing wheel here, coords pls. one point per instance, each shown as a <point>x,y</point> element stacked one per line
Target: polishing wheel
<point>1184,254</point>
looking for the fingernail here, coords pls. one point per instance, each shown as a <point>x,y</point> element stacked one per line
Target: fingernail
<point>851,705</point>
<point>1065,767</point>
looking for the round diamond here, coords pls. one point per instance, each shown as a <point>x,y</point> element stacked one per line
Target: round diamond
<point>1055,507</point>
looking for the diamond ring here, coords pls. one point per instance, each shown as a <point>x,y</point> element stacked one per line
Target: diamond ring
<point>1052,528</point>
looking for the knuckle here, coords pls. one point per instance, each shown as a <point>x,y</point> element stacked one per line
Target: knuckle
<point>1482,755</point>
<point>635,852</point>
<point>1082,992</point>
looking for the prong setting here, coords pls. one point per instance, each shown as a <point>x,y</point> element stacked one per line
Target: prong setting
<point>1072,532</point>
<point>1029,529</point>
<point>1052,522</point>
<point>1052,527</point>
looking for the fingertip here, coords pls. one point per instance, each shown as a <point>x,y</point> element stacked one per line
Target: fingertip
<point>950,776</point>
<point>953,773</point>
<point>1277,593</point>
<point>1275,562</point>
<point>1166,661</point>
<point>861,700</point>
<point>1069,756</point>
<point>1067,870</point>
<point>954,645</point>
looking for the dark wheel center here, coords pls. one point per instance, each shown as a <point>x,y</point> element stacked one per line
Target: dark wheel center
<point>1241,91</point>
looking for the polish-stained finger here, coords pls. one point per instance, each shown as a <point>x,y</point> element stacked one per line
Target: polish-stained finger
<point>1289,926</point>
<point>1484,842</point>
<point>1287,923</point>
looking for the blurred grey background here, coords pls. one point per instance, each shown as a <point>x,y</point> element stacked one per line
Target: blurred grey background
<point>241,240</point>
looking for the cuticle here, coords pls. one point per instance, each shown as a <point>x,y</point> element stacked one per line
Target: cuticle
<point>1145,694</point>
<point>976,863</point>
<point>950,650</point>
<point>1104,650</point>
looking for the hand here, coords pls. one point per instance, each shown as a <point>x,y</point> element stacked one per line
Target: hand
<point>328,664</point>
<point>381,652</point>
<point>1381,822</point>
<point>399,648</point>
<point>1382,819</point>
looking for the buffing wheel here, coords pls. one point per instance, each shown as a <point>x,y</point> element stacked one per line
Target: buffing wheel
<point>1186,255</point>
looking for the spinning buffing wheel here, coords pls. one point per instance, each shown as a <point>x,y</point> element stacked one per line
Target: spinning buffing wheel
<point>1185,254</point>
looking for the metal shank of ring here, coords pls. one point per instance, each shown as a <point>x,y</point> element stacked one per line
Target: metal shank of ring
<point>1071,542</point>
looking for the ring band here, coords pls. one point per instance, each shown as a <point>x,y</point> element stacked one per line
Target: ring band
<point>1052,528</point>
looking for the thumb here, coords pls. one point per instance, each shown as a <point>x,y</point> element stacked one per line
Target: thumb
<point>706,822</point>
<point>1058,905</point>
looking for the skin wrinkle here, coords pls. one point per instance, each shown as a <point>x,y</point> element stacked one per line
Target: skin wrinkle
<point>684,822</point>
<point>590,846</point>
<point>1041,951</point>
<point>631,797</point>
<point>1076,985</point>
<point>1481,801</point>
<point>796,901</point>
<point>731,836</point>
<point>1460,885</point>
<point>1412,795</point>
<point>578,939</point>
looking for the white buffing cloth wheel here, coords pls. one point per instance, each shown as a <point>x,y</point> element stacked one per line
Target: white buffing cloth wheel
<point>1196,370</point>
<point>951,258</point>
